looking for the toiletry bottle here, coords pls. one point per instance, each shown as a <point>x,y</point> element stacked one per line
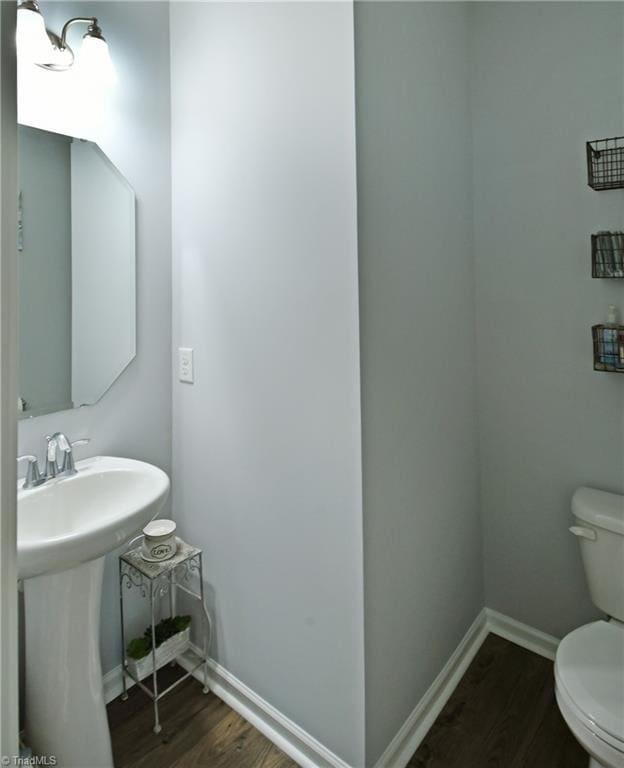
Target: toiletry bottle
<point>610,353</point>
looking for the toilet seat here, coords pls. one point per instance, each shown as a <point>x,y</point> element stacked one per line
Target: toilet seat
<point>589,672</point>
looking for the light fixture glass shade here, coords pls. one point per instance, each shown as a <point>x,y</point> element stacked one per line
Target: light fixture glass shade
<point>94,61</point>
<point>33,43</point>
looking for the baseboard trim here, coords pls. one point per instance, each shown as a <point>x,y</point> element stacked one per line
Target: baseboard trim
<point>398,753</point>
<point>307,751</point>
<point>112,684</point>
<point>297,743</point>
<point>522,634</point>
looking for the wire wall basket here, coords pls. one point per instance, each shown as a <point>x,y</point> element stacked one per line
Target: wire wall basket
<point>607,254</point>
<point>605,163</point>
<point>608,348</point>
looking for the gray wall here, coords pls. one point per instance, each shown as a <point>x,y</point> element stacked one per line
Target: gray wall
<point>423,583</point>
<point>546,77</point>
<point>267,441</point>
<point>134,417</point>
<point>45,271</point>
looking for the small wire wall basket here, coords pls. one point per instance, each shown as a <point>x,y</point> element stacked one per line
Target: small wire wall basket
<point>607,254</point>
<point>608,348</point>
<point>605,163</point>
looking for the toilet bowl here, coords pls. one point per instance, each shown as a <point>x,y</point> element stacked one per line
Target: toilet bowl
<point>589,665</point>
<point>589,686</point>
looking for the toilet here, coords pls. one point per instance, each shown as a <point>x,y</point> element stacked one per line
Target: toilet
<point>589,665</point>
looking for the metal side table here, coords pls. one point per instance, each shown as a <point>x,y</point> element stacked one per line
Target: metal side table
<point>156,581</point>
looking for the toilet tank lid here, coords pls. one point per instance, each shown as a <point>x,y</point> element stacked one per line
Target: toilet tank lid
<point>599,508</point>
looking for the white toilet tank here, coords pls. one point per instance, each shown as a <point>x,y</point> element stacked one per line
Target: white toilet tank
<point>599,526</point>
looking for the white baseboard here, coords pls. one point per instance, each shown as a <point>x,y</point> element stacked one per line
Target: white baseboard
<point>415,728</point>
<point>298,744</point>
<point>307,751</point>
<point>522,634</point>
<point>398,753</point>
<point>111,682</point>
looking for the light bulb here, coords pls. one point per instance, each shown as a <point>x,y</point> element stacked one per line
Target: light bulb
<point>32,39</point>
<point>94,61</point>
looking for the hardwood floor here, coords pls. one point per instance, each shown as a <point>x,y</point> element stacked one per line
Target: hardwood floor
<point>503,714</point>
<point>198,731</point>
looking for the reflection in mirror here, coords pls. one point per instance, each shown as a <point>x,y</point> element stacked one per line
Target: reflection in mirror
<point>77,272</point>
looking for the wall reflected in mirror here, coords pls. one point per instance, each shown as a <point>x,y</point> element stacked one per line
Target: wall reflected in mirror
<point>77,273</point>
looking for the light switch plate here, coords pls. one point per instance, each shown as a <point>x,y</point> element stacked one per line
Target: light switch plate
<point>185,364</point>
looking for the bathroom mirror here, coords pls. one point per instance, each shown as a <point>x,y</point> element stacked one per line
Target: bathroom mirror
<point>77,272</point>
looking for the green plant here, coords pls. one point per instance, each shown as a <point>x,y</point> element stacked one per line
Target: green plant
<point>139,647</point>
<point>182,622</point>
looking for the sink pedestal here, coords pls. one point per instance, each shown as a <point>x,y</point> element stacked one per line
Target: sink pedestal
<point>64,529</point>
<point>65,708</point>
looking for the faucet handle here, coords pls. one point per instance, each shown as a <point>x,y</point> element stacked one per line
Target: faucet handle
<point>69,467</point>
<point>62,442</point>
<point>33,476</point>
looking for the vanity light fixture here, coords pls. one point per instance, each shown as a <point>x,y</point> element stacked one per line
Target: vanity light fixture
<point>31,36</point>
<point>46,49</point>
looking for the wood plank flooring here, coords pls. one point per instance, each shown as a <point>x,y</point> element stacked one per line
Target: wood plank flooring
<point>503,714</point>
<point>198,731</point>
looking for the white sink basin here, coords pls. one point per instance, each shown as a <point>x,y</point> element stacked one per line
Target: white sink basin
<point>64,528</point>
<point>71,520</point>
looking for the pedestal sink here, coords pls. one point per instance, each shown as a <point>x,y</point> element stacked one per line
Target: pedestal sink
<point>64,529</point>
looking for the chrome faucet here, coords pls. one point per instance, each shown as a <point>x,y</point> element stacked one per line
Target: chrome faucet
<point>58,442</point>
<point>33,476</point>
